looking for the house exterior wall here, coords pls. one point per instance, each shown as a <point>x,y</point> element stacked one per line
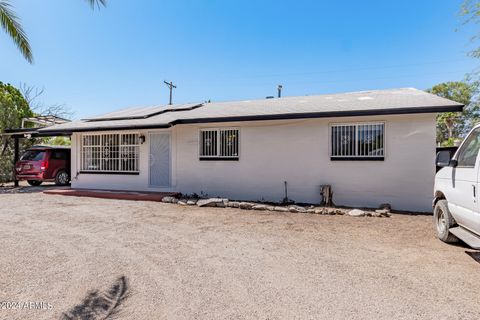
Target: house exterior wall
<point>138,182</point>
<point>296,151</point>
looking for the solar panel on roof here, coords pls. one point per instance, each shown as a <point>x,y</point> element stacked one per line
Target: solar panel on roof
<point>143,112</point>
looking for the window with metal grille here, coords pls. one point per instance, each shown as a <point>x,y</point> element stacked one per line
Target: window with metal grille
<point>362,141</point>
<point>116,153</point>
<point>219,144</point>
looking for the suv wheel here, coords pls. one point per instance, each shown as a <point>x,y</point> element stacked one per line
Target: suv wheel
<point>443,221</point>
<point>62,178</point>
<point>34,183</point>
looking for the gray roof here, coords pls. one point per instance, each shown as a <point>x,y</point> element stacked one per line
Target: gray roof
<point>375,102</point>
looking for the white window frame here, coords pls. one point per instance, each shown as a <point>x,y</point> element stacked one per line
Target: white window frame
<point>356,155</point>
<point>135,147</point>
<point>218,155</point>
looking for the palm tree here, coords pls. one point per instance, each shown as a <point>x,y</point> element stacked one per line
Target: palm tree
<point>11,24</point>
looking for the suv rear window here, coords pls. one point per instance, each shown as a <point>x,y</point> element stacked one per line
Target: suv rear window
<point>59,155</point>
<point>33,155</point>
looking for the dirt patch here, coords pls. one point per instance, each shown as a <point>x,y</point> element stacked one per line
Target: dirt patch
<point>211,263</point>
<point>24,187</point>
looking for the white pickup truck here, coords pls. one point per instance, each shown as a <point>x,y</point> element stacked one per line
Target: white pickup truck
<point>456,202</point>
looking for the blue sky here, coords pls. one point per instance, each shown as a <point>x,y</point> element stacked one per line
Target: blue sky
<point>116,57</point>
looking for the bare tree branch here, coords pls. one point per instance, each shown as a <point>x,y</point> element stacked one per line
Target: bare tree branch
<point>32,95</point>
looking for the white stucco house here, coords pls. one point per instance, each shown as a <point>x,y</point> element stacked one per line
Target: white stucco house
<point>372,147</point>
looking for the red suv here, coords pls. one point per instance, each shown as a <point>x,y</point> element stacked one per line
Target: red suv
<point>41,163</point>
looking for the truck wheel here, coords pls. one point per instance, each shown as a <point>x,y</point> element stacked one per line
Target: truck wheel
<point>62,178</point>
<point>443,221</point>
<point>34,183</point>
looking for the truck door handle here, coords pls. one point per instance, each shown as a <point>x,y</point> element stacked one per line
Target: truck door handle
<point>474,189</point>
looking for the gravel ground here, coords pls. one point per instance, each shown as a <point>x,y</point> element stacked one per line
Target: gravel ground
<point>211,263</point>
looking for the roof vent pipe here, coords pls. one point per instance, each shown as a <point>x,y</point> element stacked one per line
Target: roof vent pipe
<point>280,87</point>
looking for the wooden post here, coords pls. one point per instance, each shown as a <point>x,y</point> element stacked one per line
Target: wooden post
<point>327,196</point>
<point>16,157</point>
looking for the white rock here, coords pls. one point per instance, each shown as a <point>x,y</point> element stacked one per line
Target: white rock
<point>280,209</point>
<point>295,208</point>
<point>182,202</point>
<point>246,205</point>
<point>169,199</point>
<point>192,202</point>
<point>382,213</point>
<point>233,204</point>
<point>270,208</point>
<point>356,213</point>
<point>330,211</point>
<point>212,202</point>
<point>311,210</point>
<point>259,207</point>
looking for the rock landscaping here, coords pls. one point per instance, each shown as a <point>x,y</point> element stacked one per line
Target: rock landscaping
<point>169,199</point>
<point>384,210</point>
<point>356,213</point>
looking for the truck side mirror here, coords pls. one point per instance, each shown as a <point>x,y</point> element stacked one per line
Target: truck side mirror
<point>444,159</point>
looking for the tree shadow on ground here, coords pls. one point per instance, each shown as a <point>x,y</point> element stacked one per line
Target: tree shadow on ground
<point>100,305</point>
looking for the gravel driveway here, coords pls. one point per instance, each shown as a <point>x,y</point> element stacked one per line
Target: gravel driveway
<point>211,263</point>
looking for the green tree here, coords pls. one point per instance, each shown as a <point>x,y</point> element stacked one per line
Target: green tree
<point>10,22</point>
<point>470,11</point>
<point>57,141</point>
<point>13,107</point>
<point>454,125</point>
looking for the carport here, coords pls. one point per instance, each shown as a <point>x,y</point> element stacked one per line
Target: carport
<point>28,133</point>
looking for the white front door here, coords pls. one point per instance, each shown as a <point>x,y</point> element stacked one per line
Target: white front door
<point>463,200</point>
<point>160,161</point>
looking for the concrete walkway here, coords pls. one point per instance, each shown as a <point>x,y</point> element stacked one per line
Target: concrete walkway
<point>111,194</point>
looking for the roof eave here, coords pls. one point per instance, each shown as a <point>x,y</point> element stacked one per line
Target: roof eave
<point>329,114</point>
<point>284,116</point>
<point>116,128</point>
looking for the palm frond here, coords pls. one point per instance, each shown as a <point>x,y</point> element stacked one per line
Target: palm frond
<point>11,24</point>
<point>97,3</point>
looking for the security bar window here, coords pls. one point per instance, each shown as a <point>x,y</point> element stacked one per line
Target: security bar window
<point>220,144</point>
<point>363,141</point>
<point>110,153</point>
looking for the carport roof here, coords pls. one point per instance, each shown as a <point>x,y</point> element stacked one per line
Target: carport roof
<point>363,103</point>
<point>34,132</point>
